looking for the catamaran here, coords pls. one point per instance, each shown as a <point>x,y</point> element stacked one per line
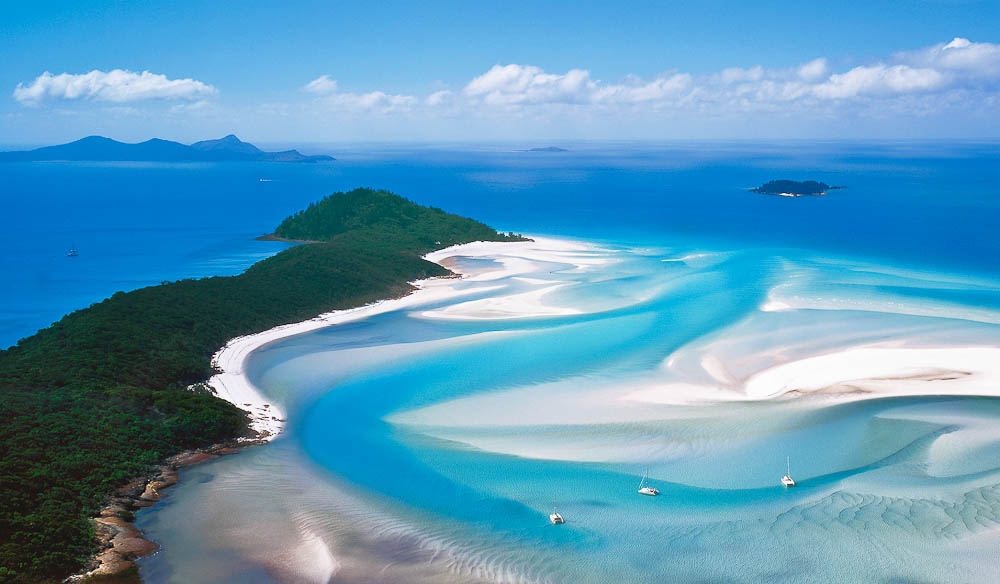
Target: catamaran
<point>555,517</point>
<point>645,489</point>
<point>787,479</point>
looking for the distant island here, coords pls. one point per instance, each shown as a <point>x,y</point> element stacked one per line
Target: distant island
<point>95,402</point>
<point>791,188</point>
<point>99,148</point>
<point>546,149</point>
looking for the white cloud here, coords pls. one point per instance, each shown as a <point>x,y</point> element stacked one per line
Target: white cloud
<point>954,66</point>
<point>735,74</point>
<point>372,101</point>
<point>116,86</point>
<point>201,106</point>
<point>521,84</point>
<point>980,60</point>
<point>813,70</point>
<point>440,98</point>
<point>330,97</point>
<point>322,85</point>
<point>880,80</point>
<point>667,88</point>
<point>958,43</point>
<point>960,76</point>
<point>377,101</point>
<point>517,85</point>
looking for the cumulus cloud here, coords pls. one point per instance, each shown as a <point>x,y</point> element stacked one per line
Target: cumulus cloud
<point>953,76</point>
<point>813,70</point>
<point>880,80</point>
<point>328,95</point>
<point>442,97</point>
<point>961,56</point>
<point>514,85</point>
<point>671,88</point>
<point>956,65</point>
<point>735,74</point>
<point>116,86</point>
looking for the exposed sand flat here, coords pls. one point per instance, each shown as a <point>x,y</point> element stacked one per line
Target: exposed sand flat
<point>884,371</point>
<point>519,258</point>
<point>524,305</point>
<point>854,373</point>
<point>885,304</point>
<point>847,375</point>
<point>697,260</point>
<point>512,258</point>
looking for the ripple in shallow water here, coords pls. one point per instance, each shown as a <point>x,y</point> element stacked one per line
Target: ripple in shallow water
<point>431,449</point>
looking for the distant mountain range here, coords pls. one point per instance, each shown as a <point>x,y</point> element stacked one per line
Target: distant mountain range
<point>225,149</point>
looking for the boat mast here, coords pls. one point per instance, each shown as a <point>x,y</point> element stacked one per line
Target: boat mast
<point>788,467</point>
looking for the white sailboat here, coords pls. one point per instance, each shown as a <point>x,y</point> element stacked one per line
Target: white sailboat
<point>787,479</point>
<point>645,489</point>
<point>555,517</point>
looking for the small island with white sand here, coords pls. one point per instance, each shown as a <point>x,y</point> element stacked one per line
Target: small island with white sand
<point>792,188</point>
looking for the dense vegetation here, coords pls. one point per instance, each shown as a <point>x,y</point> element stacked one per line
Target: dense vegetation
<point>384,215</point>
<point>777,187</point>
<point>99,396</point>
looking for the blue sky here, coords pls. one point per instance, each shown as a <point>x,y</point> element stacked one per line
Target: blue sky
<point>327,72</point>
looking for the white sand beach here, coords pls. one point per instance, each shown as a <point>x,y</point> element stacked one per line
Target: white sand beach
<point>513,259</point>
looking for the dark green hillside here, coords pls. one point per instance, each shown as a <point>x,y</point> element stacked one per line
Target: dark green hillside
<point>808,187</point>
<point>382,214</point>
<point>99,396</point>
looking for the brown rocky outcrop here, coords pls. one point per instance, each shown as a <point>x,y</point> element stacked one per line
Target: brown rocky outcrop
<point>120,542</point>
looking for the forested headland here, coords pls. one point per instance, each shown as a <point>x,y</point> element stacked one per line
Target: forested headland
<point>105,393</point>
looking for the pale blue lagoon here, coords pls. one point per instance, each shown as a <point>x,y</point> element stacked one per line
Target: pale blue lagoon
<point>676,323</point>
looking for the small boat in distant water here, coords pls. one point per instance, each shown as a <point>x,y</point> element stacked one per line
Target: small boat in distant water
<point>644,488</point>
<point>555,517</point>
<point>264,180</point>
<point>787,479</point>
<point>73,252</point>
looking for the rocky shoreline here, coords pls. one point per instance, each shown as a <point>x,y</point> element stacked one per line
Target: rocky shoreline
<point>120,542</point>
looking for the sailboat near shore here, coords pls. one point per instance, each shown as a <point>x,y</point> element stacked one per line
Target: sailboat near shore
<point>555,517</point>
<point>787,479</point>
<point>644,488</point>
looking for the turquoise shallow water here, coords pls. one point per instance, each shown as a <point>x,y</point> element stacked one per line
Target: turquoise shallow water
<point>424,447</point>
<point>427,446</point>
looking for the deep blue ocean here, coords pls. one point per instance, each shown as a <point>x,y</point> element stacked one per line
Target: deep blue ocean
<point>137,224</point>
<point>679,326</point>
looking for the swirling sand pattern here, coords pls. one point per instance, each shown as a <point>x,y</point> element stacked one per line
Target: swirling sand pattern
<point>428,443</point>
